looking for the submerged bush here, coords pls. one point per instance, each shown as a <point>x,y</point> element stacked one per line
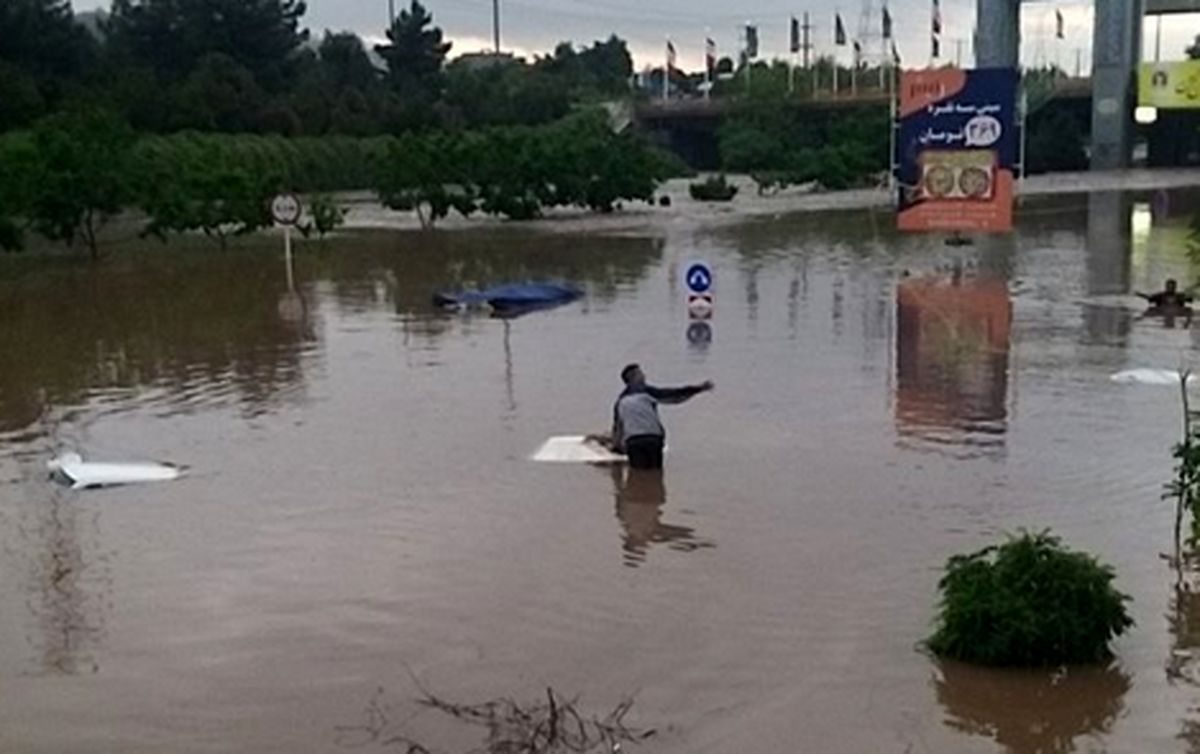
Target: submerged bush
<point>1028,602</point>
<point>715,189</point>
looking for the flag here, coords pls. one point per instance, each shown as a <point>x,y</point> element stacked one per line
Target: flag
<point>887,23</point>
<point>670,56</point>
<point>937,48</point>
<point>1058,25</point>
<point>751,42</point>
<point>937,17</point>
<point>710,56</point>
<point>895,54</point>
<point>795,35</point>
<point>839,31</point>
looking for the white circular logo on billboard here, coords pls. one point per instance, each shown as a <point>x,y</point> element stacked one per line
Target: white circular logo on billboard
<point>983,131</point>
<point>286,209</point>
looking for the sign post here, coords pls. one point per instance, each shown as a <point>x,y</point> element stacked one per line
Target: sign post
<point>699,280</point>
<point>286,210</point>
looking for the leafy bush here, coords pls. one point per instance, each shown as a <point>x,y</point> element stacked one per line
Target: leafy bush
<point>787,147</point>
<point>326,216</point>
<point>715,189</point>
<point>203,188</point>
<point>1028,602</point>
<point>79,177</point>
<point>518,171</point>
<point>1056,142</point>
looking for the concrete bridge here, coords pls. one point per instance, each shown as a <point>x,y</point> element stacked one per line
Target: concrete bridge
<point>1116,53</point>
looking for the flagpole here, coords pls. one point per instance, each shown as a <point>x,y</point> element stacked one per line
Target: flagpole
<point>835,72</point>
<point>707,65</point>
<point>854,72</point>
<point>836,21</point>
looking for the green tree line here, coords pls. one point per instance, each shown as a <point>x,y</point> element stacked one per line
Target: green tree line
<point>68,175</point>
<point>787,145</point>
<point>251,66</point>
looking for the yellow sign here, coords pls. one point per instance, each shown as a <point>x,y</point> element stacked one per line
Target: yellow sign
<point>1173,85</point>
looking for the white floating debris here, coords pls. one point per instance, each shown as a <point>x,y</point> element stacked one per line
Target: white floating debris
<point>1149,377</point>
<point>575,449</point>
<point>73,470</point>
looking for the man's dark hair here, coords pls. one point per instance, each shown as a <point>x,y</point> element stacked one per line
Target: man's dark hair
<point>628,372</point>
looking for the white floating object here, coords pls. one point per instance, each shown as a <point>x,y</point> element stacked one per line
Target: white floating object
<point>575,449</point>
<point>80,474</point>
<point>1149,377</point>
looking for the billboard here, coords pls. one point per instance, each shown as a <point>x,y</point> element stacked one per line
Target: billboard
<point>956,149</point>
<point>1170,86</point>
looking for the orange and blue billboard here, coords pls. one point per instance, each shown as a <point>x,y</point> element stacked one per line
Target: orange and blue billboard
<point>957,149</point>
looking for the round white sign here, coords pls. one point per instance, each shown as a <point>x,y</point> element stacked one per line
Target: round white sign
<point>286,209</point>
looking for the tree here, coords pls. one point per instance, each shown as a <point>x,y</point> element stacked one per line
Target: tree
<point>1193,50</point>
<point>1056,142</point>
<point>428,174</point>
<point>17,156</point>
<point>172,36</point>
<point>41,50</point>
<point>346,63</point>
<point>604,69</point>
<point>20,99</point>
<point>221,95</point>
<point>415,55</point>
<point>203,187</point>
<point>79,179</point>
<point>42,38</point>
<point>506,94</point>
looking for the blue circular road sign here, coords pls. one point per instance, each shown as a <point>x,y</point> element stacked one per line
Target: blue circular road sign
<point>699,278</point>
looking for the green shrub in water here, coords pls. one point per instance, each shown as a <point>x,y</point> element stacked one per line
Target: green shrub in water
<point>714,189</point>
<point>327,216</point>
<point>1028,602</point>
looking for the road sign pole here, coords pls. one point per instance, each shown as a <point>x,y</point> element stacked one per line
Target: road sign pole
<point>286,210</point>
<point>287,255</point>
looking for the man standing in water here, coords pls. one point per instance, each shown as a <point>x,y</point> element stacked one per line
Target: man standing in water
<point>1168,298</point>
<point>637,430</point>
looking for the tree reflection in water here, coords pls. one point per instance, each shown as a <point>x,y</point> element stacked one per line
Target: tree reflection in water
<point>1031,711</point>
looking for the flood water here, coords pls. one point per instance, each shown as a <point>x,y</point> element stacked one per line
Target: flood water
<point>360,514</point>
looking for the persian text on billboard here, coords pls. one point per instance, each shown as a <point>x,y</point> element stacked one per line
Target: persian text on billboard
<point>957,149</point>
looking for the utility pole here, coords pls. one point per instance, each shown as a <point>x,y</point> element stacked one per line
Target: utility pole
<point>496,24</point>
<point>958,48</point>
<point>391,14</point>
<point>1158,39</point>
<point>806,45</point>
<point>1078,62</point>
<point>806,51</point>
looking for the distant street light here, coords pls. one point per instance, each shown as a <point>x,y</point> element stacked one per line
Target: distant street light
<point>496,24</point>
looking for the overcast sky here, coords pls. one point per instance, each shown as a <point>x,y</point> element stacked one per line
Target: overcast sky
<point>535,26</point>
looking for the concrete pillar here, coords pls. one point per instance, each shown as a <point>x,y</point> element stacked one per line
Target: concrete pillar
<point>1116,51</point>
<point>997,33</point>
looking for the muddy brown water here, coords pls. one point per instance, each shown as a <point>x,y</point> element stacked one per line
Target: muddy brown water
<point>360,514</point>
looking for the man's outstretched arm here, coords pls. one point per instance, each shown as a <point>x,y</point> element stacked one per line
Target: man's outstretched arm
<point>678,394</point>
